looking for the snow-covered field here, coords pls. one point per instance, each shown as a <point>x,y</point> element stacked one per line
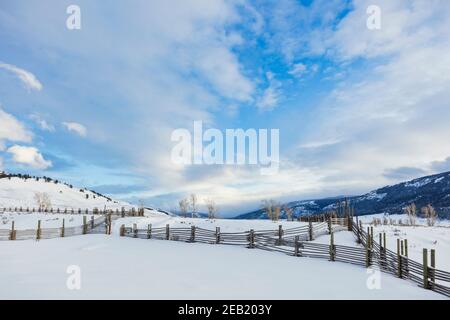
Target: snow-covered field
<point>418,238</point>
<point>114,267</point>
<point>226,225</point>
<point>402,219</point>
<point>23,221</point>
<point>27,220</point>
<point>16,192</point>
<point>125,268</point>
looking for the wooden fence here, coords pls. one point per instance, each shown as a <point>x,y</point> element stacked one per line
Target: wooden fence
<point>94,225</point>
<point>397,263</point>
<point>296,242</point>
<point>132,212</point>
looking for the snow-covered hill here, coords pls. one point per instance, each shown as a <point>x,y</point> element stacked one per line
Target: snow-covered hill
<point>21,192</point>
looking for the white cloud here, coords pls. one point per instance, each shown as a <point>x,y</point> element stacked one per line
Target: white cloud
<point>298,69</point>
<point>29,156</point>
<point>12,129</point>
<point>271,95</point>
<point>42,123</point>
<point>76,128</point>
<point>28,79</point>
<point>395,115</point>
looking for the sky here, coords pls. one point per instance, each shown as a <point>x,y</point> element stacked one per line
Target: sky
<point>357,108</point>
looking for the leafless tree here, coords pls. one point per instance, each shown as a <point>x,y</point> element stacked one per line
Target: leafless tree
<point>411,210</point>
<point>43,200</point>
<point>184,205</point>
<point>193,199</point>
<point>268,207</point>
<point>212,208</point>
<point>430,214</point>
<point>288,212</point>
<point>276,213</point>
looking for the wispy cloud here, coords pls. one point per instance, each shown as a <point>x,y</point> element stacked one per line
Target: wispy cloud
<point>28,79</point>
<point>42,123</point>
<point>271,94</point>
<point>75,127</point>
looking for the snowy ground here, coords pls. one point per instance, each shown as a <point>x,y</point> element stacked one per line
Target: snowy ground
<point>402,219</point>
<point>29,220</point>
<point>226,225</point>
<point>23,221</point>
<point>418,238</point>
<point>126,268</point>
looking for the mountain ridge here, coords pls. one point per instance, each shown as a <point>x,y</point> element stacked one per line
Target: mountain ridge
<point>433,189</point>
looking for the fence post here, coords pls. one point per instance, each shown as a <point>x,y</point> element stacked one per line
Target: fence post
<point>63,228</point>
<point>84,225</point>
<point>92,222</point>
<point>332,249</point>
<point>311,235</point>
<point>217,235</point>
<point>149,231</point>
<point>109,223</point>
<point>371,237</point>
<point>280,235</point>
<point>38,231</point>
<point>329,225</point>
<point>381,242</point>
<point>349,222</point>
<point>399,260</point>
<point>425,268</point>
<point>192,233</point>
<point>368,251</point>
<point>433,267</point>
<point>122,230</point>
<point>135,230</point>
<point>252,239</point>
<point>297,246</point>
<point>12,236</point>
<point>167,232</point>
<point>384,241</point>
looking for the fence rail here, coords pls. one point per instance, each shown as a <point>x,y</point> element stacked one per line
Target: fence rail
<point>99,224</point>
<point>398,263</point>
<point>123,212</point>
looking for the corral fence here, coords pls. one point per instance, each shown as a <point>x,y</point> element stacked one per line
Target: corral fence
<point>398,264</point>
<point>123,212</point>
<point>297,242</point>
<point>99,224</point>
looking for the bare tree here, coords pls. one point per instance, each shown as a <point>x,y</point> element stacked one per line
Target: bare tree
<point>43,200</point>
<point>193,199</point>
<point>288,212</point>
<point>268,207</point>
<point>212,208</point>
<point>411,210</point>
<point>184,205</point>
<point>276,213</point>
<point>430,214</point>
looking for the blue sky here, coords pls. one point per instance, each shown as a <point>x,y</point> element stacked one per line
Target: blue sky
<point>356,108</point>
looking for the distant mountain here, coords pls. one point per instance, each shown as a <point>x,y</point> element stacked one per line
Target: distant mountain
<point>434,190</point>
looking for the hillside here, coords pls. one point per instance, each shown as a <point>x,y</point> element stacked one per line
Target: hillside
<point>20,191</point>
<point>434,189</point>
